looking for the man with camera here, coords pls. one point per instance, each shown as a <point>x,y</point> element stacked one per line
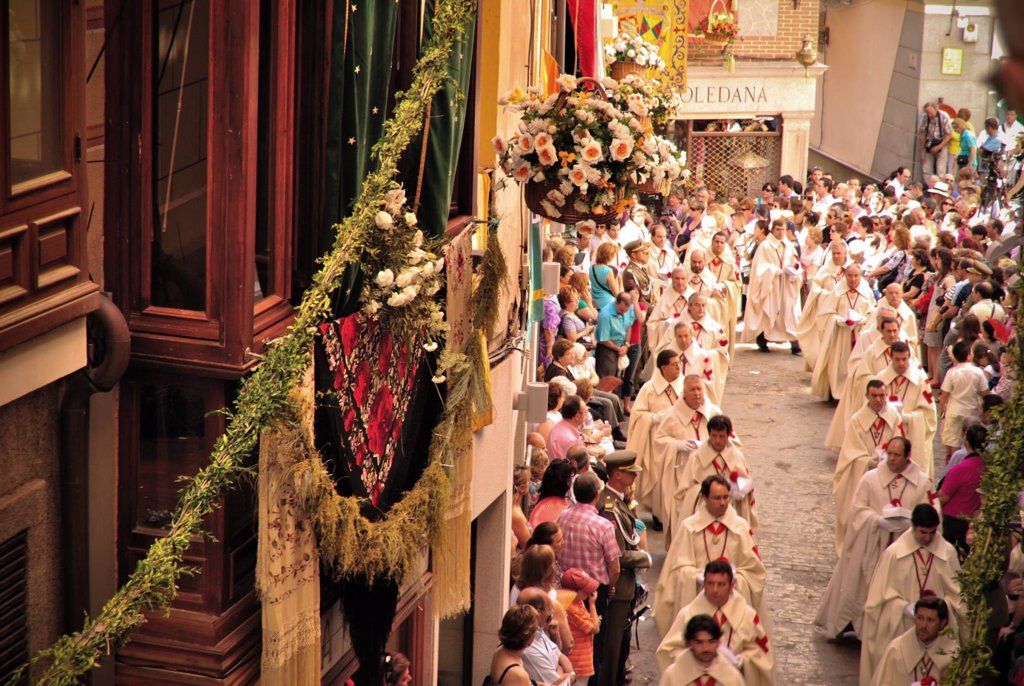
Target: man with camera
<point>934,131</point>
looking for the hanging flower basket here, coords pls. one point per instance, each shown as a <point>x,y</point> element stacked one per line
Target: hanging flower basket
<point>579,151</point>
<point>577,207</point>
<point>720,27</point>
<point>620,70</point>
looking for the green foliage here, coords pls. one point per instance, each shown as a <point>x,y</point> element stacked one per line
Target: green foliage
<point>264,394</point>
<point>1001,485</point>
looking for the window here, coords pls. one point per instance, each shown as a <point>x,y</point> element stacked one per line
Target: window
<point>199,147</point>
<point>43,279</point>
<point>181,78</point>
<point>35,90</point>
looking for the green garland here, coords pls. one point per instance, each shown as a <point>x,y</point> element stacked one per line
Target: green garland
<point>263,395</point>
<point>1001,485</point>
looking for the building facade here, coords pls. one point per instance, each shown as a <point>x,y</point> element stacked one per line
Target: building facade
<point>920,52</point>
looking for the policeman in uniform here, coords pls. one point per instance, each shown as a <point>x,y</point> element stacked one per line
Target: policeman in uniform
<point>639,275</point>
<point>611,646</point>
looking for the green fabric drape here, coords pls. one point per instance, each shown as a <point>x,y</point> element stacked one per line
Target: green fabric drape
<point>362,47</point>
<point>447,122</point>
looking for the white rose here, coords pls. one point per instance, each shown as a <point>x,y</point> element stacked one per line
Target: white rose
<point>411,291</point>
<point>410,219</point>
<point>384,220</point>
<point>384,278</point>
<point>631,53</point>
<point>417,238</point>
<point>405,278</point>
<point>415,256</point>
<point>397,299</point>
<point>430,346</point>
<point>371,307</point>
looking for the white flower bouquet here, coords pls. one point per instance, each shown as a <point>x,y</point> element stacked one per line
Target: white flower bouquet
<point>633,49</point>
<point>577,152</point>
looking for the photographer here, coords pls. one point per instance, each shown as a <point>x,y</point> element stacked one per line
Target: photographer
<point>990,147</point>
<point>934,131</point>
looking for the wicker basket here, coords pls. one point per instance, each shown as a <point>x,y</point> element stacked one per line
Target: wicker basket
<point>716,39</point>
<point>620,70</point>
<point>650,187</point>
<point>537,191</point>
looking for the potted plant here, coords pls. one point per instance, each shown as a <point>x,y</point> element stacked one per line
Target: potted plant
<point>577,152</point>
<point>631,55</point>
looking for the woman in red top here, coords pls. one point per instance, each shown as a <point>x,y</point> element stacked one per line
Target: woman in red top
<point>959,492</point>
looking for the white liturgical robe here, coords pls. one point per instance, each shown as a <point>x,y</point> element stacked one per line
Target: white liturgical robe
<point>840,318</point>
<point>679,425</point>
<point>906,573</point>
<point>730,464</point>
<point>697,360</point>
<point>731,289</point>
<point>866,538</point>
<point>742,633</point>
<point>808,330</point>
<point>912,394</point>
<point>908,661</point>
<point>653,402</point>
<point>863,445</point>
<point>662,318</point>
<point>685,671</point>
<point>701,538</point>
<point>773,296</point>
<point>710,334</point>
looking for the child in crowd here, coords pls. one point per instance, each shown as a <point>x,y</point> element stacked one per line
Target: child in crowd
<point>584,622</point>
<point>962,390</point>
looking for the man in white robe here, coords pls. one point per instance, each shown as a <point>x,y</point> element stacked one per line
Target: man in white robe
<point>701,280</point>
<point>841,317</point>
<point>713,533</point>
<point>710,335</point>
<point>875,359</point>
<point>742,632</point>
<point>667,311</point>
<point>728,276</point>
<point>677,436</point>
<point>694,359</point>
<point>893,297</point>
<point>703,663</point>
<point>921,652</point>
<point>864,444</point>
<point>910,392</point>
<point>718,455</point>
<point>880,512</point>
<point>919,564</point>
<point>871,333</point>
<point>773,296</point>
<point>653,402</point>
<point>808,330</point>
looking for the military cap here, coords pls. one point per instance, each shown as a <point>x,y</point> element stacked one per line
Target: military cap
<point>635,246</point>
<point>624,460</point>
<point>980,268</point>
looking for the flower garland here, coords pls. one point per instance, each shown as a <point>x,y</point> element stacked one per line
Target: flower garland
<point>645,97</point>
<point>1001,484</point>
<point>264,395</point>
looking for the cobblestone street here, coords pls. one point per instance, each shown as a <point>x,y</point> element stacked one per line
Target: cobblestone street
<point>782,428</point>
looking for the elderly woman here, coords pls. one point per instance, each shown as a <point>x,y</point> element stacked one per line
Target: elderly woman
<point>604,405</point>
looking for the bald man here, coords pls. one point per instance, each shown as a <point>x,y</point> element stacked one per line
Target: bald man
<point>841,318</point>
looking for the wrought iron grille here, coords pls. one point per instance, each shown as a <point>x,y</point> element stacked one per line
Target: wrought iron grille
<point>734,163</point>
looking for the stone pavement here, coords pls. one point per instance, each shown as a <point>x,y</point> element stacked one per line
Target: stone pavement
<point>782,428</point>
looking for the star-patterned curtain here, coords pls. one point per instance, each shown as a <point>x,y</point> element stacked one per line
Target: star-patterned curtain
<point>434,177</point>
<point>361,52</point>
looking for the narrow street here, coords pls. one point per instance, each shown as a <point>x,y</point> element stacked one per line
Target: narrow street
<point>782,428</point>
